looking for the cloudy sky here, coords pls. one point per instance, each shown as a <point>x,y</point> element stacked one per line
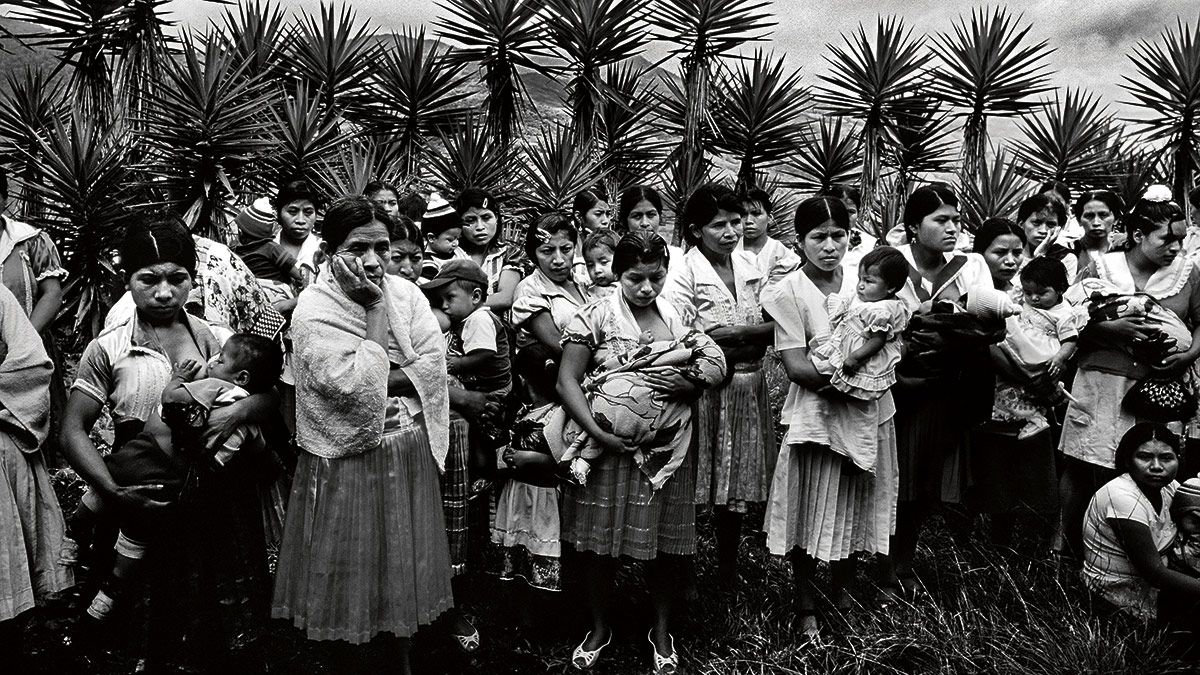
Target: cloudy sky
<point>1091,38</point>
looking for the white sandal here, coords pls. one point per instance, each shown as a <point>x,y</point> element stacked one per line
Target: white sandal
<point>583,659</point>
<point>468,643</point>
<point>664,664</point>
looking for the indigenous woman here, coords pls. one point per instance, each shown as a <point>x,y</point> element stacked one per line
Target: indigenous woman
<point>29,266</point>
<point>482,224</point>
<point>718,287</point>
<point>364,549</point>
<point>1098,213</point>
<point>296,206</point>
<point>931,413</point>
<point>546,300</point>
<point>820,507</point>
<point>1043,218</point>
<point>640,211</point>
<point>1108,363</point>
<point>31,523</point>
<point>209,588</point>
<point>619,512</point>
<point>591,212</point>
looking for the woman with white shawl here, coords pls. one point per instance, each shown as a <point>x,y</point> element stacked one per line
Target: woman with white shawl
<point>364,548</point>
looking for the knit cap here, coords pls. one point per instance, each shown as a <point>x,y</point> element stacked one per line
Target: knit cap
<point>256,222</point>
<point>439,215</point>
<point>1187,497</point>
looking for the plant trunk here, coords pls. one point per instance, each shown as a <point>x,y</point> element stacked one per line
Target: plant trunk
<point>870,182</point>
<point>974,146</point>
<point>691,158</point>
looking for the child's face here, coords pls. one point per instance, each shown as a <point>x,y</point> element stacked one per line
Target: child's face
<point>225,367</point>
<point>1041,297</point>
<point>388,201</point>
<point>871,286</point>
<point>597,217</point>
<point>443,244</point>
<point>405,260</point>
<point>756,222</point>
<point>458,303</point>
<point>599,265</point>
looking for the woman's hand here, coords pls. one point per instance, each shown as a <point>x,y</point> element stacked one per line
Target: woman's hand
<point>671,385</point>
<point>727,336</point>
<point>478,405</point>
<point>612,443</point>
<point>1173,365</point>
<point>1128,329</point>
<point>350,275</point>
<point>139,497</point>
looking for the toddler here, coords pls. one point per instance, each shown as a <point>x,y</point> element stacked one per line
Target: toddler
<point>167,453</point>
<point>773,259</point>
<point>441,227</point>
<point>275,268</point>
<point>864,344</point>
<point>404,260</point>
<point>1044,335</point>
<point>1185,511</point>
<point>598,250</point>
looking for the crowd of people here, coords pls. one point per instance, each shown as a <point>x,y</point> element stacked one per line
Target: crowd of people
<point>368,385</point>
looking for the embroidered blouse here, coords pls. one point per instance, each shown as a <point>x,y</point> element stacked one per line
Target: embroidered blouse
<point>695,290</point>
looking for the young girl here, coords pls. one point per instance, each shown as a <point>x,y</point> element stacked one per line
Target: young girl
<point>592,214</point>
<point>385,195</point>
<point>864,344</point>
<point>526,528</point>
<point>775,260</point>
<point>1045,334</point>
<point>598,250</point>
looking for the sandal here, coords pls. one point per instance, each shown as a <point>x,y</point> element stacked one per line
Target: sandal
<point>469,644</point>
<point>664,664</point>
<point>583,659</point>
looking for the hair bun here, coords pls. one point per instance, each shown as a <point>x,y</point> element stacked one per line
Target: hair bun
<point>1157,193</point>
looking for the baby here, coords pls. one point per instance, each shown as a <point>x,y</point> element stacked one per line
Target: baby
<point>1185,511</point>
<point>441,226</point>
<point>598,250</point>
<point>1044,334</point>
<point>864,344</point>
<point>275,268</point>
<point>166,452</point>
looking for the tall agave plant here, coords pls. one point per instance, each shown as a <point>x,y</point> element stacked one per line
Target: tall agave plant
<point>334,56</point>
<point>830,154</point>
<point>631,148</point>
<point>555,168</point>
<point>1067,140</point>
<point>1166,89</point>
<point>31,110</point>
<point>470,157</point>
<point>257,32</point>
<point>868,82</point>
<point>988,69</point>
<point>503,37</point>
<point>306,138</point>
<point>995,192</point>
<point>922,145</point>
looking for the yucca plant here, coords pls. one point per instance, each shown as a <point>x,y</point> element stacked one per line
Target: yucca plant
<point>988,69</point>
<point>334,56</point>
<point>258,34</point>
<point>702,33</point>
<point>995,192</point>
<point>762,118</point>
<point>1067,140</point>
<point>503,37</point>
<point>868,81</point>
<point>84,184</point>
<point>556,167</point>
<point>207,130</point>
<point>470,157</point>
<point>631,148</point>
<point>1132,167</point>
<point>923,142</point>
<point>830,154</point>
<point>31,108</point>
<point>140,46</point>
<point>589,36</point>
<point>1166,88</point>
<point>306,137</point>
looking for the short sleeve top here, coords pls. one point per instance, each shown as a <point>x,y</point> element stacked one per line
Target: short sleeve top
<point>695,290</point>
<point>607,328</point>
<point>536,294</point>
<point>27,257</point>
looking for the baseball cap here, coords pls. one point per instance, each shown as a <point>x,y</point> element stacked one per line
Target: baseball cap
<point>458,269</point>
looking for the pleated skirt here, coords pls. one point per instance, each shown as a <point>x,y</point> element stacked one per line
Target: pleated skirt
<point>364,548</point>
<point>735,442</point>
<point>527,535</point>
<point>32,532</point>
<point>815,507</point>
<point>455,485</point>
<point>618,513</point>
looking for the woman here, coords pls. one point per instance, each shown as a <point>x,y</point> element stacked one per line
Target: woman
<point>618,512</point>
<point>1043,218</point>
<point>30,266</point>
<point>1098,214</point>
<point>1108,369</point>
<point>719,287</point>
<point>546,300</point>
<point>640,211</point>
<point>31,523</point>
<point>364,549</point>
<point>591,212</point>
<point>482,224</point>
<point>931,415</point>
<point>209,587</point>
<point>819,508</point>
<point>1127,529</point>
<point>296,205</point>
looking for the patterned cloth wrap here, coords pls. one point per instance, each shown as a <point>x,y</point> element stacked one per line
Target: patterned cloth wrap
<point>623,404</point>
<point>1105,302</point>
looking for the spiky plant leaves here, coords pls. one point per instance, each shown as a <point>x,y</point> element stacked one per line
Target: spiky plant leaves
<point>590,35</point>
<point>988,69</point>
<point>470,157</point>
<point>306,138</point>
<point>682,179</point>
<point>830,154</point>
<point>1166,88</point>
<point>868,81</point>
<point>335,56</point>
<point>1133,167</point>
<point>996,192</point>
<point>30,108</point>
<point>207,129</point>
<point>922,141</point>
<point>632,151</point>
<point>417,92</point>
<point>555,167</point>
<point>502,37</point>
<point>258,34</point>
<point>1067,140</point>
<point>84,184</point>
<point>762,119</point>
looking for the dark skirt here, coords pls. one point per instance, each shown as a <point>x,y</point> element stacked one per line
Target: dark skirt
<point>1010,475</point>
<point>930,440</point>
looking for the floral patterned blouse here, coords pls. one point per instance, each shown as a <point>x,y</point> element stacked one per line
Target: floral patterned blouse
<point>27,258</point>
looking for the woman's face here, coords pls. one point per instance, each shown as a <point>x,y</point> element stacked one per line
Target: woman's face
<point>388,201</point>
<point>1003,257</point>
<point>1097,221</point>
<point>479,227</point>
<point>1038,226</point>
<point>643,219</point>
<point>721,234</point>
<point>296,220</point>
<point>1163,245</point>
<point>852,209</point>
<point>938,231</point>
<point>825,245</point>
<point>369,243</point>
<point>1154,465</point>
<point>756,223</point>
<point>642,283</point>
<point>160,291</point>
<point>596,218</point>
<point>555,256</point>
